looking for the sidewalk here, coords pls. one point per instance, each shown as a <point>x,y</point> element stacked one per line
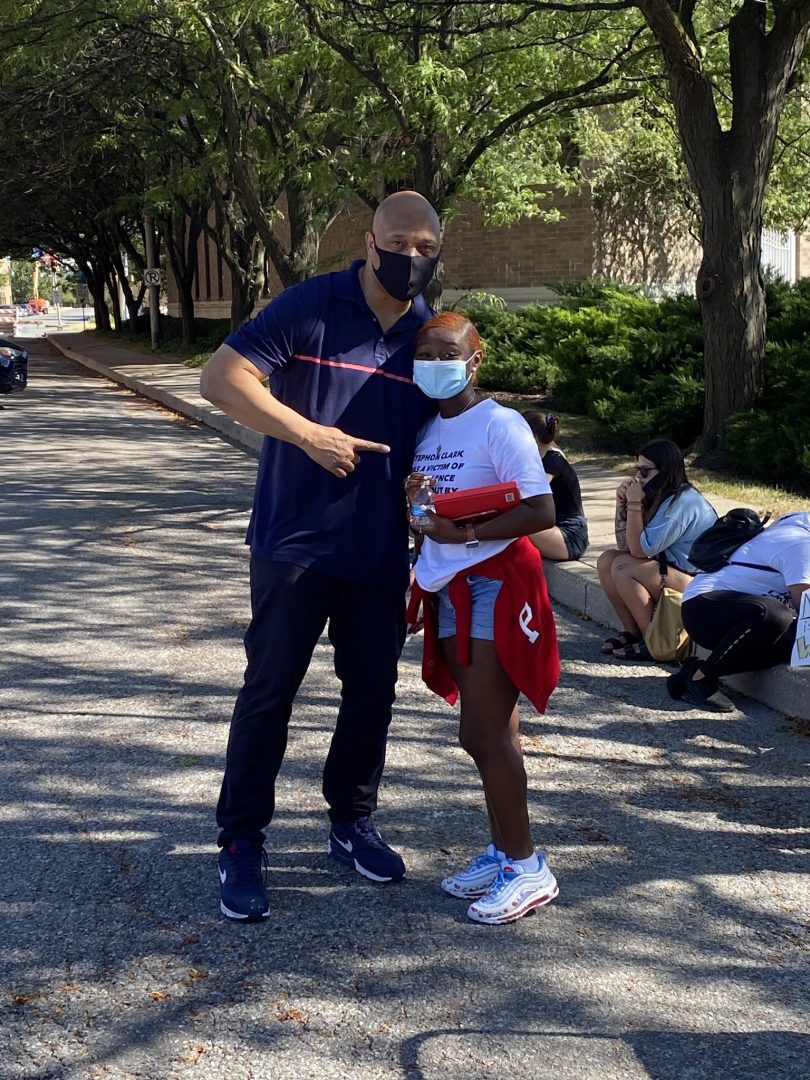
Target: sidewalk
<point>574,584</point>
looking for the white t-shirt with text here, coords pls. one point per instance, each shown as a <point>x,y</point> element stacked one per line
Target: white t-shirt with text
<point>487,444</point>
<point>785,547</point>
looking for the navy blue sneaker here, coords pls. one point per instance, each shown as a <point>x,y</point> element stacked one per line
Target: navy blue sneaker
<point>358,844</point>
<point>242,879</point>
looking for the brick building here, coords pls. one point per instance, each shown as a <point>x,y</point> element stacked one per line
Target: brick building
<point>522,262</point>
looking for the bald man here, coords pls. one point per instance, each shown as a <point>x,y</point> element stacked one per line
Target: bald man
<point>328,534</point>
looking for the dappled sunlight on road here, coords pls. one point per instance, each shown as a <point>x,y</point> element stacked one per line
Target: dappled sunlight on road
<point>679,840</point>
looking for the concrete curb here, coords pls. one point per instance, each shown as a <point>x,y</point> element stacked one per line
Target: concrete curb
<point>574,584</point>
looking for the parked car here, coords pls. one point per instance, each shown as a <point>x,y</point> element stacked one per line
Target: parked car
<point>13,367</point>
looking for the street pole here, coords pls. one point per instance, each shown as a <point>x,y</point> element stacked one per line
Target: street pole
<point>154,290</point>
<point>56,292</point>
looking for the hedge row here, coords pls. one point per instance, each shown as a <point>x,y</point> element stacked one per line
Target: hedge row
<point>637,365</point>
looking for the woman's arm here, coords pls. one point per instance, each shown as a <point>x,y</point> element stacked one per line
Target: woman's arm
<point>532,515</point>
<point>620,521</point>
<point>634,494</point>
<point>620,526</point>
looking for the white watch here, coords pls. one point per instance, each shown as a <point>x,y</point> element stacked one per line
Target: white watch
<point>472,539</point>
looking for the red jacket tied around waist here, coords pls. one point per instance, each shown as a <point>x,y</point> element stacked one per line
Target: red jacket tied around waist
<point>525,634</point>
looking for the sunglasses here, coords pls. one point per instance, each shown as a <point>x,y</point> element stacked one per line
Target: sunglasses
<point>645,470</point>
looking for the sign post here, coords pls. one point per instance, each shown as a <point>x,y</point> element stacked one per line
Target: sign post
<point>56,300</point>
<point>152,279</point>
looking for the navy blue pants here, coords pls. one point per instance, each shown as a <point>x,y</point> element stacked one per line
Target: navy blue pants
<point>291,606</point>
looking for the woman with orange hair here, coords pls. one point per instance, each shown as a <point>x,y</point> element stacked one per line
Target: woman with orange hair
<point>486,607</point>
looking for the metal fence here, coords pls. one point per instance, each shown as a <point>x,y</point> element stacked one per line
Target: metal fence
<point>779,253</point>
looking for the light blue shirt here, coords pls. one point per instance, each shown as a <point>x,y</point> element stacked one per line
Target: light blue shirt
<point>678,522</point>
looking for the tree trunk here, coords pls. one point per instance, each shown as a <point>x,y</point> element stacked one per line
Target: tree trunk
<point>181,233</point>
<point>101,313</point>
<point>246,285</point>
<point>132,299</point>
<point>729,170</point>
<point>115,299</point>
<point>732,302</point>
<point>306,230</point>
<point>238,241</point>
<point>430,182</point>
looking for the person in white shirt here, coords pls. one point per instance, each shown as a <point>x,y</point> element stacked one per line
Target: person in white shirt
<point>745,613</point>
<point>474,442</point>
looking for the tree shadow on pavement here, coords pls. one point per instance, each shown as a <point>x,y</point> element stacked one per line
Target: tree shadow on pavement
<point>678,839</point>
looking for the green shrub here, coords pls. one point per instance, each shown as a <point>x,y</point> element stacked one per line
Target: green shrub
<point>773,441</point>
<point>613,353</point>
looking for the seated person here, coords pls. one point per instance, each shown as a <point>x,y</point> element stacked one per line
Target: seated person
<point>745,613</point>
<point>568,538</point>
<point>658,512</point>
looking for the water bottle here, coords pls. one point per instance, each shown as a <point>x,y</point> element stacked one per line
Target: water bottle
<point>422,501</point>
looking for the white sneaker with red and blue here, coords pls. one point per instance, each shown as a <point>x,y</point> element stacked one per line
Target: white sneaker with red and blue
<point>515,893</point>
<point>477,878</point>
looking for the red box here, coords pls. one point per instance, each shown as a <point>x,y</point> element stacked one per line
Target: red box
<point>477,504</point>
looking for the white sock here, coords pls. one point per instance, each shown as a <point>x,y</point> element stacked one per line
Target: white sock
<point>530,865</point>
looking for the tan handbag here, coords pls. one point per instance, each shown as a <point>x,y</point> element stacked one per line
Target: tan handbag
<point>666,639</point>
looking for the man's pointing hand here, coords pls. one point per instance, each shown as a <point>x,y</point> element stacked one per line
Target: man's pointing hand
<point>336,451</point>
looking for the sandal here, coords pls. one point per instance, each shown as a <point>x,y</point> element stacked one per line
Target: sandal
<point>624,639</point>
<point>635,653</point>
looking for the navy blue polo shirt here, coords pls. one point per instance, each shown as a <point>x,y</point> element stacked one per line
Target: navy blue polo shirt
<point>328,359</point>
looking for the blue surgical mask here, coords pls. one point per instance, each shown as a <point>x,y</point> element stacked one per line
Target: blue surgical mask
<point>441,379</point>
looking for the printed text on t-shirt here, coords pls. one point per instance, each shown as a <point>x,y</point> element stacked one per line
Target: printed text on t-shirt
<point>449,461</point>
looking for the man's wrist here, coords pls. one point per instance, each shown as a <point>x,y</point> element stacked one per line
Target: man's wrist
<point>303,435</point>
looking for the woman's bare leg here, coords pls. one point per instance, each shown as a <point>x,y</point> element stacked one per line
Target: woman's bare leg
<point>638,582</point>
<point>551,544</point>
<point>489,733</point>
<point>604,566</point>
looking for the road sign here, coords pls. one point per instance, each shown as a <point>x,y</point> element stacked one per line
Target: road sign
<point>56,297</point>
<point>152,276</point>
<point>82,293</point>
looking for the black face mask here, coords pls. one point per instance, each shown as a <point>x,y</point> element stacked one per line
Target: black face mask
<point>652,486</point>
<point>404,276</point>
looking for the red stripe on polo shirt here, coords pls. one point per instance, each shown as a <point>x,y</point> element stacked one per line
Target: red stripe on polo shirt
<point>353,367</point>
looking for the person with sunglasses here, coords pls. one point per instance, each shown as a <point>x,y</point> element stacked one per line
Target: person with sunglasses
<point>658,513</point>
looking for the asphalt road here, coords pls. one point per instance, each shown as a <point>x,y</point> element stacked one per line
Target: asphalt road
<point>678,945</point>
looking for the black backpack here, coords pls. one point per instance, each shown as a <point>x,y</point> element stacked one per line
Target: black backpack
<point>713,548</point>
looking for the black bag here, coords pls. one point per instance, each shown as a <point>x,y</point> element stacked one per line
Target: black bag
<point>713,548</point>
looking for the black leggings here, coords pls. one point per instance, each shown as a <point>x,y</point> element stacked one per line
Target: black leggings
<point>743,632</point>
